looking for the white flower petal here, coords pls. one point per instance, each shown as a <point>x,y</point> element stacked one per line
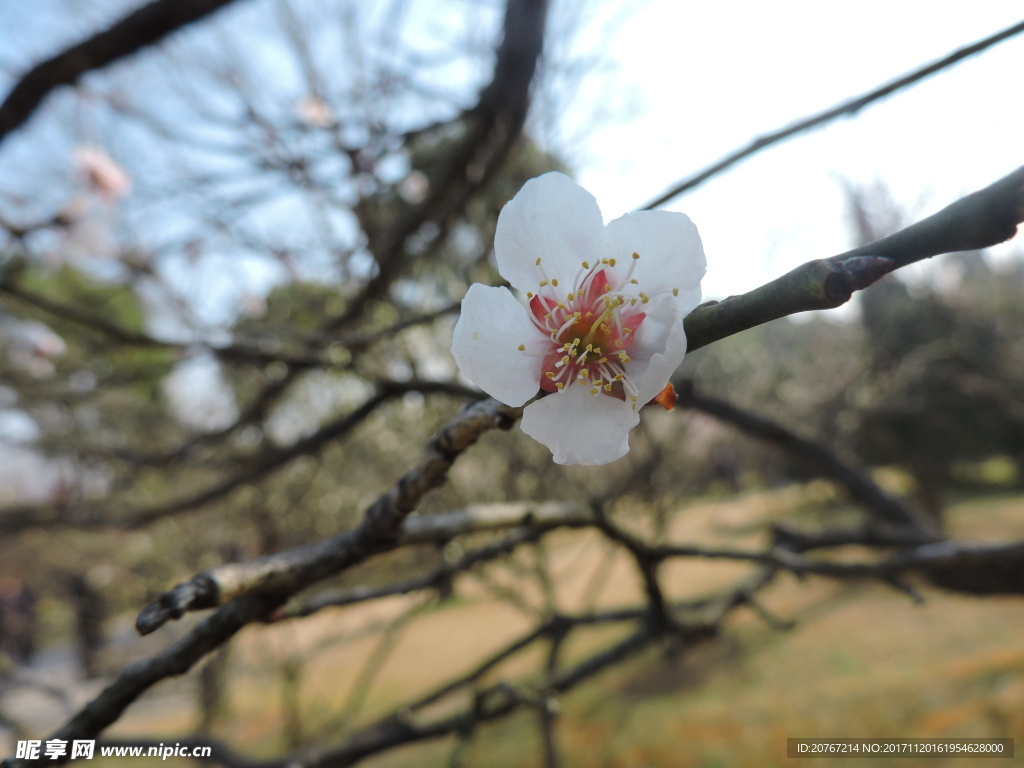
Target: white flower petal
<point>486,345</point>
<point>580,428</point>
<point>659,348</point>
<point>671,254</point>
<point>551,218</point>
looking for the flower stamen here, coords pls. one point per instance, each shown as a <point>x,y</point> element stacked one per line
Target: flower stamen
<point>596,315</point>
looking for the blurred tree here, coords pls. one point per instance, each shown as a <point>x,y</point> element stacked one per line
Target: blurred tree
<point>942,374</point>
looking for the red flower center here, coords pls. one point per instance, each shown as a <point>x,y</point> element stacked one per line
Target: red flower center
<point>591,330</point>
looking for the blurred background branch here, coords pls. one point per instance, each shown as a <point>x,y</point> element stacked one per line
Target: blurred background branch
<point>144,27</point>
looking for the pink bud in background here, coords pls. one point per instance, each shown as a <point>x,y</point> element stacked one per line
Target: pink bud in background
<point>101,174</point>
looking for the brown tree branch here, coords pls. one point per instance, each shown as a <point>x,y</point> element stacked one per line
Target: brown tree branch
<point>939,555</point>
<point>647,564</point>
<point>869,535</point>
<point>217,585</point>
<point>847,108</point>
<point>433,580</point>
<point>141,28</point>
<point>287,572</point>
<point>979,220</point>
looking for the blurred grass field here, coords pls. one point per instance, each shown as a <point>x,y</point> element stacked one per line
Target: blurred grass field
<point>862,660</point>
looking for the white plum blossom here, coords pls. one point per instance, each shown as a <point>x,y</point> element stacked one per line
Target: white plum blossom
<point>601,324</point>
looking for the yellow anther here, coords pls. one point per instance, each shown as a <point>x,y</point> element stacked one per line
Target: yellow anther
<point>627,330</point>
<point>634,281</point>
<point>623,357</point>
<point>584,374</point>
<point>571,296</point>
<point>529,294</point>
<point>602,361</point>
<point>537,262</point>
<point>565,360</point>
<point>543,283</point>
<point>554,281</point>
<point>611,262</point>
<point>675,291</point>
<point>594,391</point>
<point>521,347</point>
<point>607,387</point>
<point>636,256</point>
<point>644,298</point>
<point>618,377</point>
<point>607,287</point>
<point>586,265</point>
<point>559,385</point>
<point>550,374</point>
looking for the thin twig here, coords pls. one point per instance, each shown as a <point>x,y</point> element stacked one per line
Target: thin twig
<point>844,109</point>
